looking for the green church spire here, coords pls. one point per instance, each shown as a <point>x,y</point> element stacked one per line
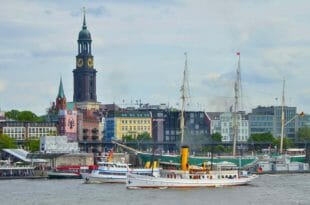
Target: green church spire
<point>61,93</point>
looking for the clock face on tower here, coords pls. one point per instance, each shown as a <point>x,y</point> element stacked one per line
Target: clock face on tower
<point>90,62</point>
<point>79,62</point>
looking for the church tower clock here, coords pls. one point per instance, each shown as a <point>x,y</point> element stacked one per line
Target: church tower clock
<point>84,73</point>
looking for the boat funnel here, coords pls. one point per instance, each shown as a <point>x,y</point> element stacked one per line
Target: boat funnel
<point>147,165</point>
<point>184,158</point>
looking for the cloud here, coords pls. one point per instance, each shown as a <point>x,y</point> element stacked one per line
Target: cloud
<point>3,85</point>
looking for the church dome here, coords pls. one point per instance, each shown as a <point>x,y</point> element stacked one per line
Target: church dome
<point>84,35</point>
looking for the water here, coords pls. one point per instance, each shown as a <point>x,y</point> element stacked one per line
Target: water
<point>267,189</point>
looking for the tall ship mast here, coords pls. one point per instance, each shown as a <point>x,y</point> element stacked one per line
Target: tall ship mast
<point>237,89</point>
<point>184,96</point>
<point>282,119</point>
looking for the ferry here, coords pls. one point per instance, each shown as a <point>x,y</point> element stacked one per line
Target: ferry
<point>115,172</point>
<point>67,172</point>
<point>187,178</point>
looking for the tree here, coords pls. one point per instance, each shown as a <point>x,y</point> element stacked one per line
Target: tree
<point>13,114</point>
<point>33,145</point>
<point>127,138</point>
<point>287,143</point>
<point>263,137</point>
<point>23,116</point>
<point>6,142</point>
<point>216,137</point>
<point>304,133</point>
<point>144,136</point>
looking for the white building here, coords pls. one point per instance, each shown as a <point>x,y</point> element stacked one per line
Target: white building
<point>222,122</point>
<point>57,144</point>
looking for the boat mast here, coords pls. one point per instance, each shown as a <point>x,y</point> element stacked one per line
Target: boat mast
<point>183,98</point>
<point>282,119</point>
<point>236,107</point>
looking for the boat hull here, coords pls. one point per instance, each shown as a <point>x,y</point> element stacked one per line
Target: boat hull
<point>137,181</point>
<point>96,178</point>
<point>54,175</point>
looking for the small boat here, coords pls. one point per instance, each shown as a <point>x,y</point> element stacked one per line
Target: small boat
<point>112,172</point>
<point>67,172</point>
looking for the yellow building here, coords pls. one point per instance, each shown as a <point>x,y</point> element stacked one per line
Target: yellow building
<point>134,123</point>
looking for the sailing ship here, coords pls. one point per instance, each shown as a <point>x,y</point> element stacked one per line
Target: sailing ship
<point>189,177</point>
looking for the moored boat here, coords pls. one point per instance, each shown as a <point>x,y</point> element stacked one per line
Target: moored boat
<point>67,172</point>
<point>190,178</point>
<point>111,172</point>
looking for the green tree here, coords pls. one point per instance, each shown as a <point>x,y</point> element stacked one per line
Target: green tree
<point>304,133</point>
<point>287,143</point>
<point>32,145</point>
<point>144,136</point>
<point>219,149</point>
<point>23,116</point>
<point>264,137</point>
<point>127,138</point>
<point>7,142</point>
<point>13,114</point>
<point>216,137</point>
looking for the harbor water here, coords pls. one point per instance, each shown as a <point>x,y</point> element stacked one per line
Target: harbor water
<point>267,189</point>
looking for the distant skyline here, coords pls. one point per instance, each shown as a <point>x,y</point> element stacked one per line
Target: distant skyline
<point>139,46</point>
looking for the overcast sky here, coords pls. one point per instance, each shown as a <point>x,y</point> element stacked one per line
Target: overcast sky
<point>139,46</point>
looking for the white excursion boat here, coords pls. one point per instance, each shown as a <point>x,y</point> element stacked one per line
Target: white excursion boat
<point>185,179</point>
<point>189,178</point>
<point>111,172</point>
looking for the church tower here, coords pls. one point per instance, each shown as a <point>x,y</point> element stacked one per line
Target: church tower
<point>84,73</point>
<point>61,102</point>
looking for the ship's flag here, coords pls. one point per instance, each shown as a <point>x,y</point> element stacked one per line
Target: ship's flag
<point>238,53</point>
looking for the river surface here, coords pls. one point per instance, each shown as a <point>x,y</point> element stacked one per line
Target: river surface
<point>267,189</point>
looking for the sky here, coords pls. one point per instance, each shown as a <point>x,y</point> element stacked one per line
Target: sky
<point>139,46</point>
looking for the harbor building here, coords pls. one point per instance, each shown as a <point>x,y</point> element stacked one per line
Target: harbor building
<point>222,122</point>
<point>21,131</point>
<point>125,123</point>
<point>268,119</point>
<point>167,131</point>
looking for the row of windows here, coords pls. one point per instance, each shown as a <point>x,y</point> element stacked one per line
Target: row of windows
<point>262,124</point>
<point>243,131</point>
<point>240,138</point>
<point>30,129</point>
<point>230,124</point>
<point>134,128</point>
<point>136,121</point>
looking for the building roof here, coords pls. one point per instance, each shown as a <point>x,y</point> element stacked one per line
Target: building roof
<point>61,93</point>
<point>22,155</point>
<point>136,114</point>
<point>214,115</point>
<point>84,33</point>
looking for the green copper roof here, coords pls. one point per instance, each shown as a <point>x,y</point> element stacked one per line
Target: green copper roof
<point>61,93</point>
